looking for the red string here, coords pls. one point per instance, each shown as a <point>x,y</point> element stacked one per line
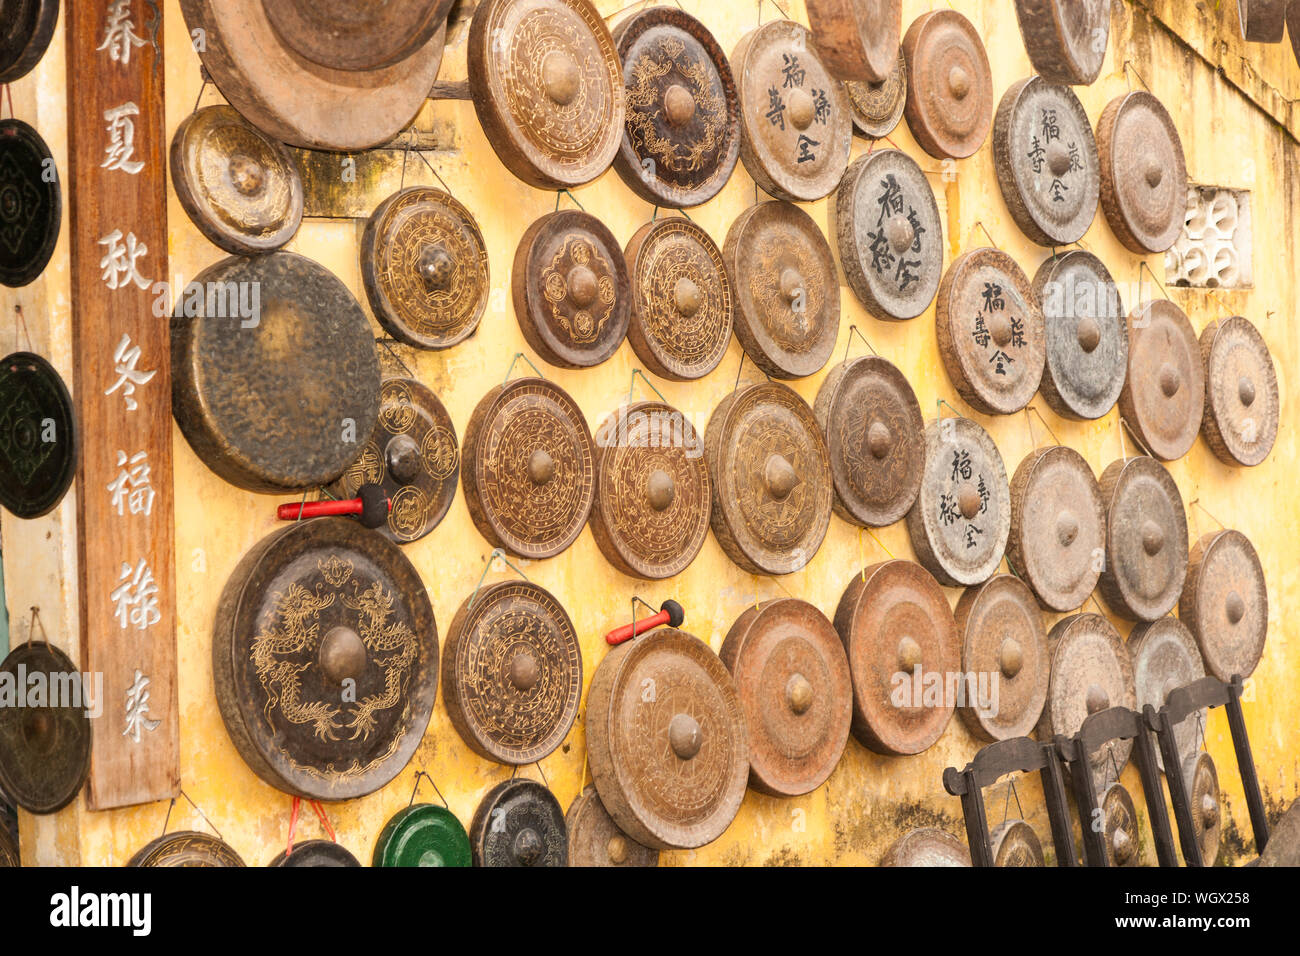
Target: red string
<point>320,815</point>
<point>324,820</point>
<point>293,824</point>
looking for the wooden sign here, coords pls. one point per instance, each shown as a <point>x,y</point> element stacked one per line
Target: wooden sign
<point>117,198</point>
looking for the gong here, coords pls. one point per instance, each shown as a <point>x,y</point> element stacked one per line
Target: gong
<point>1143,173</point>
<point>325,659</point>
<point>927,846</point>
<point>45,743</point>
<point>857,39</point>
<point>1003,659</point>
<point>412,455</point>
<point>682,299</point>
<point>1163,399</point>
<point>949,85</point>
<point>1066,39</point>
<point>877,107</point>
<point>787,292</point>
<point>1046,161</point>
<point>38,436</point>
<point>1262,21</point>
<point>346,35</point>
<point>519,823</point>
<point>25,36</point>
<point>1087,335</point>
<point>31,203</point>
<point>1283,847</point>
<point>311,104</point>
<point>422,835</point>
<point>1146,539</point>
<point>1241,396</point>
<point>279,396</point>
<point>794,685</point>
<point>1119,816</point>
<point>9,852</point>
<point>901,641</point>
<point>890,237</point>
<point>991,333</point>
<point>186,848</point>
<point>571,290</point>
<point>1202,782</point>
<point>596,840</point>
<point>512,672</point>
<point>1165,658</point>
<point>1014,843</point>
<point>528,473</point>
<point>315,853</point>
<point>651,510</point>
<point>667,740</point>
<point>961,518</point>
<point>1058,527</point>
<point>770,477</point>
<point>425,268</point>
<point>681,138</point>
<point>1225,604</point>
<point>548,89</point>
<point>872,424</point>
<point>796,130</point>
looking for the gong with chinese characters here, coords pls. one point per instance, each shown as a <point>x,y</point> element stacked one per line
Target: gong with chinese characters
<point>422,835</point>
<point>927,846</point>
<point>1202,782</point>
<point>650,515</point>
<point>312,853</point>
<point>1146,539</point>
<point>1165,658</point>
<point>1066,39</point>
<point>31,203</point>
<point>1119,816</point>
<point>1225,604</point>
<point>770,477</point>
<point>519,823</point>
<point>1163,399</point>
<point>512,672</point>
<point>528,468</point>
<point>25,36</point>
<point>186,848</point>
<point>38,436</point>
<point>325,659</point>
<point>877,107</point>
<point>596,840</point>
<point>857,39</point>
<point>1241,397</point>
<point>45,743</point>
<point>1014,843</point>
<point>425,268</point>
<point>1143,173</point>
<point>949,85</point>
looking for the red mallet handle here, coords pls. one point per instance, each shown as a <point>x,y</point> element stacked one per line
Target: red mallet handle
<point>371,504</point>
<point>670,613</point>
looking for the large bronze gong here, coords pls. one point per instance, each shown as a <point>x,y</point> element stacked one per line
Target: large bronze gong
<point>31,203</point>
<point>186,848</point>
<point>1066,39</point>
<point>877,107</point>
<point>1241,396</point>
<point>1165,658</point>
<point>346,35</point>
<point>1014,843</point>
<point>857,39</point>
<point>1146,539</point>
<point>1163,399</point>
<point>25,36</point>
<point>1143,173</point>
<point>667,739</point>
<point>38,436</point>
<point>548,89</point>
<point>682,135</point>
<point>949,85</point>
<point>794,684</point>
<point>519,823</point>
<point>770,477</point>
<point>1225,604</point>
<point>651,511</point>
<point>596,840</point>
<point>325,659</point>
<point>1202,782</point>
<point>1119,816</point>
<point>927,846</point>
<point>512,672</point>
<point>902,644</point>
<point>787,293</point>
<point>278,397</point>
<point>45,743</point>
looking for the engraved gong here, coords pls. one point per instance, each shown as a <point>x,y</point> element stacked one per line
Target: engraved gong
<point>1165,658</point>
<point>347,35</point>
<point>770,478</point>
<point>960,520</point>
<point>1119,816</point>
<point>425,268</point>
<point>1241,397</point>
<point>28,27</point>
<point>280,400</point>
<point>45,743</point>
<point>682,134</point>
<point>596,840</point>
<point>1262,21</point>
<point>890,238</point>
<point>519,823</point>
<point>1202,782</point>
<point>991,333</point>
<point>901,640</point>
<point>1146,539</point>
<point>325,659</point>
<point>1014,843</point>
<point>949,85</point>
<point>1225,604</point>
<point>857,39</point>
<point>650,515</point>
<point>1004,640</point>
<point>424,834</point>
<point>312,853</point>
<point>667,740</point>
<point>787,293</point>
<point>794,116</point>
<point>1066,39</point>
<point>528,468</point>
<point>1046,161</point>
<point>872,424</point>
<point>793,680</point>
<point>927,846</point>
<point>186,848</point>
<point>1143,173</point>
<point>412,455</point>
<point>548,89</point>
<point>1163,399</point>
<point>512,672</point>
<point>31,203</point>
<point>38,436</point>
<point>682,299</point>
<point>877,107</point>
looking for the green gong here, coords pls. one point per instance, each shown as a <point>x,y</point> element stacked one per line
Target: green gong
<point>423,835</point>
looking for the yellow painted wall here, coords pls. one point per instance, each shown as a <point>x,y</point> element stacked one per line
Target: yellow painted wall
<point>870,799</point>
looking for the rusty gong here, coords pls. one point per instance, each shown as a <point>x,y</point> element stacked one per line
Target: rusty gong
<point>548,89</point>
<point>683,303</point>
<point>794,115</point>
<point>960,520</point>
<point>1241,397</point>
<point>927,846</point>
<point>1061,38</point>
<point>38,436</point>
<point>1004,640</point>
<point>787,293</point>
<point>1262,21</point>
<point>528,468</point>
<point>668,742</point>
<point>519,823</point>
<point>25,36</point>
<point>872,424</point>
<point>651,510</point>
<point>325,659</point>
<point>682,134</point>
<point>1225,604</point>
<point>1202,782</point>
<point>949,85</point>
<point>1014,843</point>
<point>186,848</point>
<point>1120,819</point>
<point>901,641</point>
<point>877,107</point>
<point>1146,539</point>
<point>44,744</point>
<point>31,204</point>
<point>596,840</point>
<point>886,224</point>
<point>1143,173</point>
<point>1165,658</point>
<point>857,39</point>
<point>770,477</point>
<point>425,268</point>
<point>1163,399</point>
<point>346,35</point>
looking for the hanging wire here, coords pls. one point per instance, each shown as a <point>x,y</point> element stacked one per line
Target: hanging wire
<point>939,403</point>
<point>632,385</point>
<point>565,192</point>
<point>386,343</point>
<point>1134,436</point>
<point>1143,265</point>
<point>517,357</point>
<point>1006,806</point>
<point>1034,409</point>
<point>1128,66</point>
<point>432,783</point>
<point>202,86</point>
<point>197,809</point>
<point>979,224</point>
<point>853,330</point>
<point>496,553</point>
<point>1197,502</point>
<point>6,91</point>
<point>20,321</point>
<point>31,627</point>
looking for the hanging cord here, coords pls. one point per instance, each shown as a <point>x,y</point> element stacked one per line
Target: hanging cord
<point>1134,436</point>
<point>682,211</point>
<point>1006,805</point>
<point>1129,67</point>
<point>496,553</point>
<point>167,819</point>
<point>517,357</point>
<point>320,815</point>
<point>939,403</point>
<point>20,321</point>
<point>1029,421</point>
<point>1197,503</point>
<point>6,92</point>
<point>387,343</point>
<point>31,627</point>
<point>862,555</point>
<point>979,224</point>
<point>565,192</point>
<point>202,86</point>
<point>415,789</point>
<point>632,385</point>
<point>853,330</point>
<point>778,6</point>
<point>1143,265</point>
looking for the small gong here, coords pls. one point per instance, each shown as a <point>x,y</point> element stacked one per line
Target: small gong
<point>1225,604</point>
<point>1163,399</point>
<point>596,840</point>
<point>31,203</point>
<point>423,834</point>
<point>186,848</point>
<point>519,823</point>
<point>29,27</point>
<point>927,846</point>
<point>1143,173</point>
<point>38,436</point>
<point>857,39</point>
<point>1066,39</point>
<point>1014,843</point>
<point>311,853</point>
<point>1119,816</point>
<point>1165,658</point>
<point>1241,396</point>
<point>949,85</point>
<point>1202,782</point>
<point>877,107</point>
<point>1146,539</point>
